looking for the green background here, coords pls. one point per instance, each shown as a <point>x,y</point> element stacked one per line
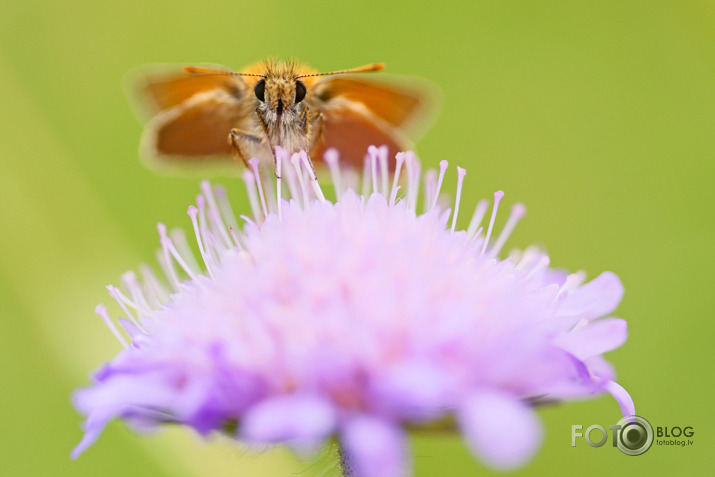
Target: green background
<point>599,116</point>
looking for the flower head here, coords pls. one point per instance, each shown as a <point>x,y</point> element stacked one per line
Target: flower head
<point>357,319</point>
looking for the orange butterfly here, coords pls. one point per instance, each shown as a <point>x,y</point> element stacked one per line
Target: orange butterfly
<point>211,113</point>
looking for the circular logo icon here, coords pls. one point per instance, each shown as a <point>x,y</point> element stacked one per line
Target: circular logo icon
<point>635,435</point>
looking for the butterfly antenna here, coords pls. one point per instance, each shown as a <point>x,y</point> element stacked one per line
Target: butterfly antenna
<point>198,70</point>
<point>359,69</point>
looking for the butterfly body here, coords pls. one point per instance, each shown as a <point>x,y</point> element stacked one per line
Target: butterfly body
<point>202,114</point>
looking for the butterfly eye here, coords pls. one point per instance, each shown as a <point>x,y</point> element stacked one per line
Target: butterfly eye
<point>260,90</point>
<point>299,91</point>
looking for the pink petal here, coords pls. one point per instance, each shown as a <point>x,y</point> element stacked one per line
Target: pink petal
<point>597,298</point>
<point>374,448</point>
<point>93,428</point>
<point>500,429</point>
<point>594,339</point>
<point>415,390</point>
<point>302,420</point>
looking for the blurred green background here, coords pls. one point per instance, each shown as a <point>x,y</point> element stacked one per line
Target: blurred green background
<point>599,116</point>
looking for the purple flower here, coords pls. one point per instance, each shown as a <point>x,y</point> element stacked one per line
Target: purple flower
<point>357,319</point>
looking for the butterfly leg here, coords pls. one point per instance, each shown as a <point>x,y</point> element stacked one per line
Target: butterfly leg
<point>305,128</point>
<point>236,138</point>
<point>268,139</point>
<point>316,130</point>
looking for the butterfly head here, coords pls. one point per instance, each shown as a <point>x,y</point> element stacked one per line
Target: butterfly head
<point>279,89</point>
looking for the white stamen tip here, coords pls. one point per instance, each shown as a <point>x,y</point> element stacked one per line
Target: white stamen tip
<point>399,159</point>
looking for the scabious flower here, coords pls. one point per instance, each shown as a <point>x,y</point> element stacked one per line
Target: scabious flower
<point>357,320</point>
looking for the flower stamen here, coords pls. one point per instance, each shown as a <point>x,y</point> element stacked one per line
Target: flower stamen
<point>253,162</point>
<point>498,195</point>
<point>544,262</point>
<point>130,282</point>
<point>311,177</point>
<point>193,213</point>
<point>152,287</point>
<point>399,159</point>
<point>216,220</point>
<point>372,153</point>
<point>473,230</point>
<point>443,164</point>
<point>250,182</point>
<point>279,186</point>
<point>225,206</point>
<point>384,171</point>
<point>366,167</point>
<point>518,211</point>
<point>167,263</point>
<point>460,181</point>
<point>413,180</point>
<point>101,311</point>
<point>430,189</point>
<point>331,159</point>
<point>288,173</point>
<point>295,160</point>
<point>573,280</point>
<point>122,300</point>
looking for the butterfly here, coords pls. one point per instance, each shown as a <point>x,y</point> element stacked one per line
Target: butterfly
<point>201,115</point>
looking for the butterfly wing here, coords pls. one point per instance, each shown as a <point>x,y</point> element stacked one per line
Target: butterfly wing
<point>395,104</point>
<point>358,113</point>
<point>192,115</point>
<point>160,91</point>
<point>350,128</point>
<point>196,128</point>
